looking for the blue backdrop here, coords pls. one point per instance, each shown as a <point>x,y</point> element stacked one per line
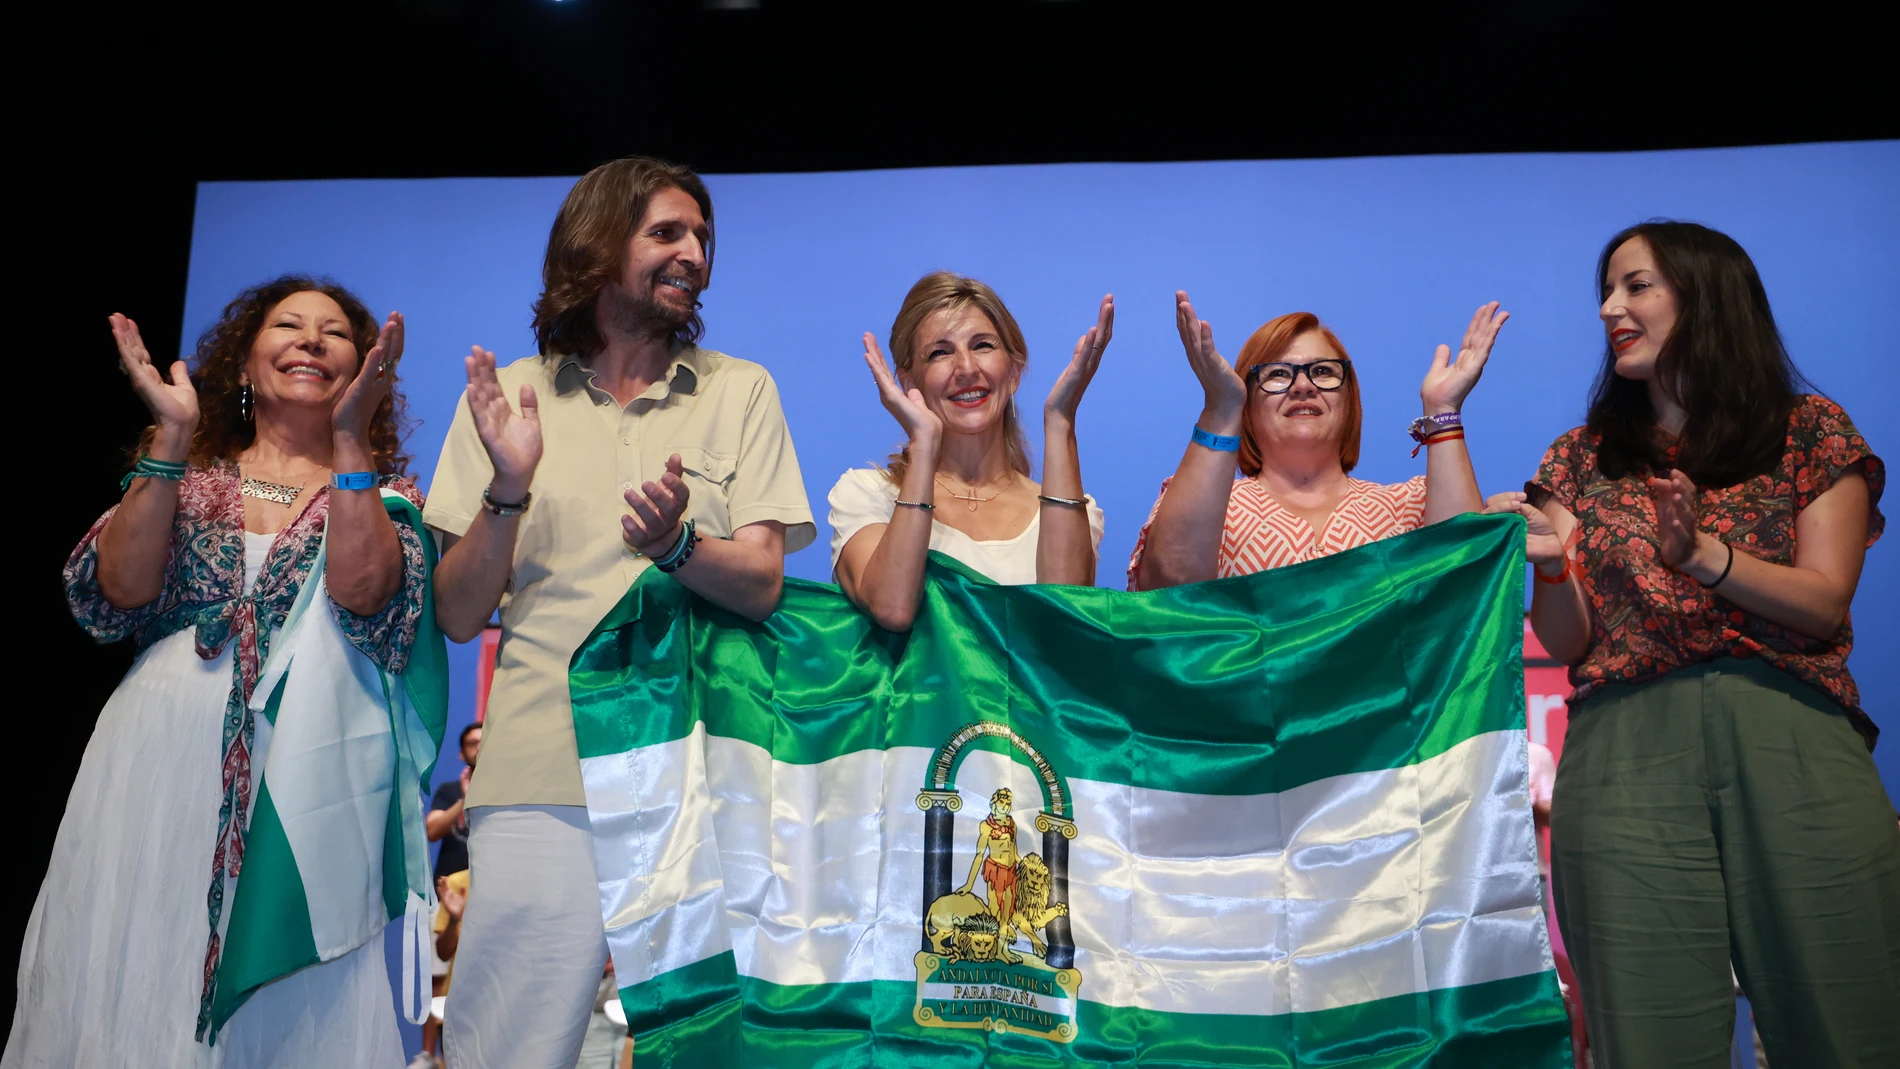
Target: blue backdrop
<point>1393,253</point>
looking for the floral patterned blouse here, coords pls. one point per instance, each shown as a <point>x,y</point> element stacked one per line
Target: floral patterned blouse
<point>204,589</point>
<point>1647,619</point>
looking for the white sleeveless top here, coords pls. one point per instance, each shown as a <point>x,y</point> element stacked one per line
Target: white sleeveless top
<point>863,496</point>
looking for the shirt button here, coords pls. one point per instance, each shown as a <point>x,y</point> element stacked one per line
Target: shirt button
<point>626,486</point>
<point>626,441</point>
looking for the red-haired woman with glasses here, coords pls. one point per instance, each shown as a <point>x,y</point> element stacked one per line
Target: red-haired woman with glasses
<point>1288,415</point>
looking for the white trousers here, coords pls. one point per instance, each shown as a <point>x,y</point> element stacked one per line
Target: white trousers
<point>532,947</point>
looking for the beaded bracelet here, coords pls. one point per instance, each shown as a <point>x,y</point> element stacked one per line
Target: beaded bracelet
<point>147,468</point>
<point>924,505</point>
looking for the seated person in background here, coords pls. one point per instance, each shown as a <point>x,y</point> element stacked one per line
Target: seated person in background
<point>448,824</point>
<point>1287,413</point>
<point>959,357</point>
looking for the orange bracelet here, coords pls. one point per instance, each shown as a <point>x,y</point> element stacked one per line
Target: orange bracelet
<point>1576,535</point>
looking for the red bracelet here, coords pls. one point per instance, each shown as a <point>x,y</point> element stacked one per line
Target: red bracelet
<point>1453,435</point>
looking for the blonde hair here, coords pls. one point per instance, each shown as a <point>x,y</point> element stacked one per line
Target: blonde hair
<point>945,291</point>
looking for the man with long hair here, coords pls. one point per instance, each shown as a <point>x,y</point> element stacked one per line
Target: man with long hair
<point>626,445</point>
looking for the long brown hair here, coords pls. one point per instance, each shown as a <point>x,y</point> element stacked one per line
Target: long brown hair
<point>1270,343</point>
<point>225,349</point>
<point>587,249</point>
<point>1723,362</point>
<point>944,291</point>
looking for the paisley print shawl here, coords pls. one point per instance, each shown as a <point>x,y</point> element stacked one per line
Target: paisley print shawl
<point>204,590</point>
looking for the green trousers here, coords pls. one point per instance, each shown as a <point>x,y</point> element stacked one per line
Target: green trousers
<point>1727,814</point>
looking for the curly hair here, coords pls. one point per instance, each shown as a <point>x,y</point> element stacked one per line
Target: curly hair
<point>587,249</point>
<point>225,348</point>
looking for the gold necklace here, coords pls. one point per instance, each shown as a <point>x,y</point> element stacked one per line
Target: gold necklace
<point>971,498</point>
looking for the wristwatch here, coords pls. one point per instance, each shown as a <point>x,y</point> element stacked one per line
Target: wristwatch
<point>1425,426</point>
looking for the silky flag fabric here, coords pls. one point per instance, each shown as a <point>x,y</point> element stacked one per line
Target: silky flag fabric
<point>1275,820</point>
<point>336,846</point>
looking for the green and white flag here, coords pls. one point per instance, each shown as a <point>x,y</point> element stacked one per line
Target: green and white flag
<point>336,846</point>
<point>1276,820</point>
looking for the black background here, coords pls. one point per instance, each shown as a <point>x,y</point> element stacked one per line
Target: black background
<point>116,116</point>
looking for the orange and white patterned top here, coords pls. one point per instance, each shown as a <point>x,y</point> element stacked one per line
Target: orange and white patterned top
<point>1260,533</point>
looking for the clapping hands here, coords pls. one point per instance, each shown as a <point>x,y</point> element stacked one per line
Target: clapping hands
<point>1225,394</point>
<point>658,508</point>
<point>173,404</point>
<point>1449,382</point>
<point>357,405</point>
<point>1066,396</point>
<point>920,424</point>
<point>513,440</point>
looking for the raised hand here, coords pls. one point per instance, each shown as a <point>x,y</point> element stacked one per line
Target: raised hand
<point>513,440</point>
<point>1542,547</point>
<point>357,405</point>
<point>920,424</point>
<point>453,902</point>
<point>1067,393</point>
<point>1676,533</point>
<point>1226,394</point>
<point>657,508</point>
<point>174,404</point>
<point>1448,383</point>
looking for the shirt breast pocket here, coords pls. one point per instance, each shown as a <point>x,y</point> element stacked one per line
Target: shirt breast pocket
<point>708,477</point>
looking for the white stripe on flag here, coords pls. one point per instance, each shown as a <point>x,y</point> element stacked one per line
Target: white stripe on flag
<point>1334,893</point>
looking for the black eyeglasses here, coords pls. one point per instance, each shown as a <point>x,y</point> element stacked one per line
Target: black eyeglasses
<point>1279,378</point>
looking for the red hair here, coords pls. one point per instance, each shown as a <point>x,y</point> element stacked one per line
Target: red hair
<point>1270,343</point>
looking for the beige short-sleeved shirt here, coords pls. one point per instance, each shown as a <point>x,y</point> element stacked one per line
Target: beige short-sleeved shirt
<point>720,414</point>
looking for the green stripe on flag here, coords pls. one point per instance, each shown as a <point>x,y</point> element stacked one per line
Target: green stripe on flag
<point>1517,1023</point>
<point>1382,638</point>
<point>269,935</point>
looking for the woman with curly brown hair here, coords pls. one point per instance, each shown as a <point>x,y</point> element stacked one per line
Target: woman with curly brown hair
<point>262,477</point>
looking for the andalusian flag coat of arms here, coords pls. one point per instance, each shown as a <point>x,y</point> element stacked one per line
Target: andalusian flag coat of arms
<point>1277,820</point>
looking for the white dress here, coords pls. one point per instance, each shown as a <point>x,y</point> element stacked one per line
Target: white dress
<point>863,496</point>
<point>113,962</point>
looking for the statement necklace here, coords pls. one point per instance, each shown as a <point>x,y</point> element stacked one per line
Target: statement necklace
<point>273,492</point>
<point>278,492</point>
<point>973,500</point>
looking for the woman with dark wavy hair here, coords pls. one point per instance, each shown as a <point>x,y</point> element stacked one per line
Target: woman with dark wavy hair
<point>1697,544</point>
<point>263,477</point>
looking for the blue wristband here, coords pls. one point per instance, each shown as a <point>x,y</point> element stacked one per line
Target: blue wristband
<point>1220,443</point>
<point>353,480</point>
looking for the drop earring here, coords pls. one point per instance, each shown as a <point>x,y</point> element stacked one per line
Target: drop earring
<point>244,402</point>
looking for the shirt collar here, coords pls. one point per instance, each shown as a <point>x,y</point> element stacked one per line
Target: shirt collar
<point>682,375</point>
